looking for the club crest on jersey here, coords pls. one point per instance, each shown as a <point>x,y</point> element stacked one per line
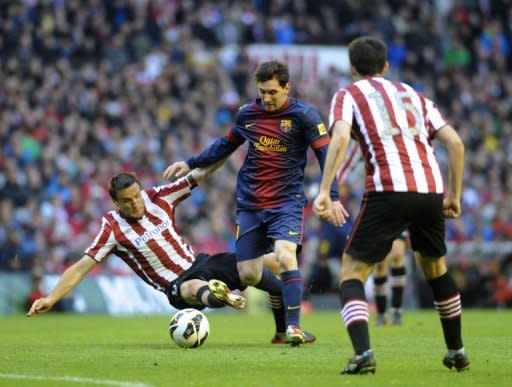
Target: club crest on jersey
<point>285,126</point>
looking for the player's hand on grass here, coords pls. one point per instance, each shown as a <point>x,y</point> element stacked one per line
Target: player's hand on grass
<point>177,169</point>
<point>40,305</point>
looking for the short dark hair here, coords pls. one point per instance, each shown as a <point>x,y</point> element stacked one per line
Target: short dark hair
<point>272,70</point>
<point>368,55</point>
<point>121,181</point>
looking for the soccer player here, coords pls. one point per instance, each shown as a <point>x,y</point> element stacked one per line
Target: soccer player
<point>394,126</point>
<point>270,187</point>
<point>395,260</point>
<point>142,232</point>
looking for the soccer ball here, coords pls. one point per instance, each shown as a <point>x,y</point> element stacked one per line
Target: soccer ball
<point>189,328</point>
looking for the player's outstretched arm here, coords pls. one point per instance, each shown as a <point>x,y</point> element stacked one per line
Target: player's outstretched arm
<point>216,152</point>
<point>177,169</point>
<point>67,282</point>
<point>199,174</point>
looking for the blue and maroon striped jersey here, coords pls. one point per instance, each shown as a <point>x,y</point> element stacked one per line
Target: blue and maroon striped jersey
<point>272,174</point>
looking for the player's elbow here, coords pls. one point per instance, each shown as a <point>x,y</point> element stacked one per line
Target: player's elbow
<point>456,146</point>
<point>450,139</point>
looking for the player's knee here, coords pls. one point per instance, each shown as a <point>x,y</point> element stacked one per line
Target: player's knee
<point>354,269</point>
<point>397,252</point>
<point>250,279</point>
<point>249,276</point>
<point>432,267</point>
<point>287,259</point>
<point>397,261</point>
<point>287,263</point>
<point>380,269</point>
<point>186,290</point>
<point>286,254</point>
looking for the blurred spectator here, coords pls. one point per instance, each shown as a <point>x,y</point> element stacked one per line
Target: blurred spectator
<point>36,289</point>
<point>503,283</point>
<point>9,260</point>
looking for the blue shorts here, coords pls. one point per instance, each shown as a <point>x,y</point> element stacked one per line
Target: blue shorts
<point>257,230</point>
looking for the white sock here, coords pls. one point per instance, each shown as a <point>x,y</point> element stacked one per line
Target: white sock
<point>453,352</point>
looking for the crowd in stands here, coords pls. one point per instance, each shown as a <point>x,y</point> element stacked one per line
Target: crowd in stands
<point>90,88</point>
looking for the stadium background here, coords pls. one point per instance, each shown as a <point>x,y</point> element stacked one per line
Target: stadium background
<point>91,88</point>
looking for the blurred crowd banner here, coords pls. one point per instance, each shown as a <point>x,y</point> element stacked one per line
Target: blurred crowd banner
<point>311,62</point>
<point>127,294</point>
<point>115,295</point>
<point>478,249</point>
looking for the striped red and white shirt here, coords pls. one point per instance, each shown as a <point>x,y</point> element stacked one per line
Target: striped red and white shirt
<point>151,246</point>
<point>394,126</point>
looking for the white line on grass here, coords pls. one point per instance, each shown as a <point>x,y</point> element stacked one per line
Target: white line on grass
<point>75,379</point>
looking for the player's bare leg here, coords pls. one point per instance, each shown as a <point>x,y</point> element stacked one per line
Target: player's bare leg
<point>397,280</point>
<point>256,272</point>
<point>200,293</point>
<point>396,260</point>
<point>380,281</point>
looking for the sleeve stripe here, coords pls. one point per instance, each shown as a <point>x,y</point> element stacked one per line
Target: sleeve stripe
<point>321,142</point>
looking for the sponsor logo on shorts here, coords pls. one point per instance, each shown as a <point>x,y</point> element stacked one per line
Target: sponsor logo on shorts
<point>293,233</point>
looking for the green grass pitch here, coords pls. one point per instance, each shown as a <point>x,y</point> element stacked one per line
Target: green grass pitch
<point>86,350</point>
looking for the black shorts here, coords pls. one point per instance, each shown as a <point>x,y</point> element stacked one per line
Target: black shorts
<point>384,216</point>
<point>206,267</point>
